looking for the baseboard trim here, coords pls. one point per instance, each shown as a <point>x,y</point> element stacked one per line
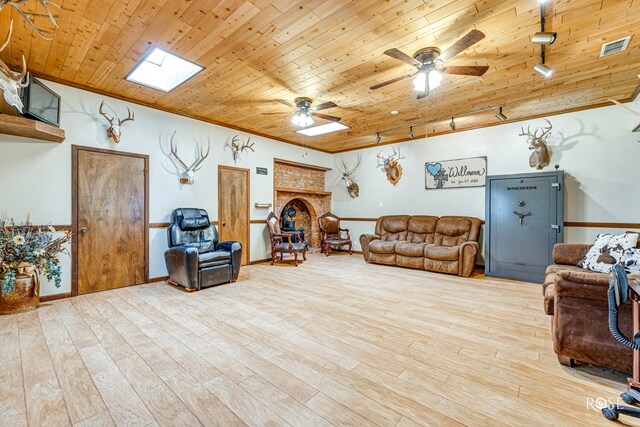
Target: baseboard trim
<point>47,298</point>
<point>158,279</point>
<point>259,261</point>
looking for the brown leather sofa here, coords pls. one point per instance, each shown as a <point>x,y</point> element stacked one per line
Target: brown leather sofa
<point>577,300</point>
<point>447,244</point>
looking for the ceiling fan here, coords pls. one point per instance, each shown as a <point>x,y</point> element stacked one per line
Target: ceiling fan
<point>304,111</point>
<point>429,62</point>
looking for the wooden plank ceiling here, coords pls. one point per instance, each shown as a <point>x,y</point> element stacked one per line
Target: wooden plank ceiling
<point>332,50</point>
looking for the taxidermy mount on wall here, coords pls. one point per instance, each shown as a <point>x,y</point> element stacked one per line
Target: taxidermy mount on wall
<point>30,16</point>
<point>347,176</point>
<point>391,166</point>
<point>540,157</point>
<point>190,171</point>
<point>637,113</point>
<point>114,132</point>
<point>10,82</point>
<point>237,149</point>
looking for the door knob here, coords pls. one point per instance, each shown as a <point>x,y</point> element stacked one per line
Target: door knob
<point>224,224</point>
<point>83,230</point>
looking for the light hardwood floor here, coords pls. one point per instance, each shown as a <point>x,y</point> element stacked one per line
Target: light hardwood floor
<point>332,342</point>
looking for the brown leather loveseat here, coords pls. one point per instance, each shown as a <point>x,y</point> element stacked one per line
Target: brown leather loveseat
<point>447,244</point>
<point>577,300</point>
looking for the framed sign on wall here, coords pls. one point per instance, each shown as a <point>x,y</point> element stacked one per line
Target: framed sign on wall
<point>471,172</point>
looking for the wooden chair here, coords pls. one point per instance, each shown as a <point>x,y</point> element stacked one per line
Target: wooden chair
<point>331,234</point>
<point>279,246</point>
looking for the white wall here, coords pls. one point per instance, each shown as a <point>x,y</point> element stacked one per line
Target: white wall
<point>35,177</point>
<point>595,148</point>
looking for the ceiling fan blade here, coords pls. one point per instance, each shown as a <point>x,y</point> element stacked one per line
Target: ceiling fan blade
<point>326,117</point>
<point>471,70</point>
<point>388,82</point>
<point>270,114</point>
<point>287,103</point>
<point>324,106</point>
<point>472,37</point>
<point>401,56</point>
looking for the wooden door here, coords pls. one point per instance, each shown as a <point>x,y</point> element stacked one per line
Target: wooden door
<point>110,199</point>
<point>233,207</point>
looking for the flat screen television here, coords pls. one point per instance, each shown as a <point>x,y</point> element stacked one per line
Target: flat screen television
<point>41,103</point>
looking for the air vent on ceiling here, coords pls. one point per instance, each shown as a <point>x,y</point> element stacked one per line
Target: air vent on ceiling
<point>614,46</point>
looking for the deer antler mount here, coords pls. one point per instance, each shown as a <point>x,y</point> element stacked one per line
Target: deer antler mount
<point>30,17</point>
<point>237,148</point>
<point>189,172</point>
<point>114,132</point>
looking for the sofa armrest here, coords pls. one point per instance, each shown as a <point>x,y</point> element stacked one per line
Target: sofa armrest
<point>235,248</point>
<point>578,284</point>
<point>467,258</point>
<point>569,253</point>
<point>365,239</point>
<point>182,265</point>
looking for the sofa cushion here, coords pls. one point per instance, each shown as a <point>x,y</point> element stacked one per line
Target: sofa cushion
<point>382,247</point>
<point>394,227</point>
<point>452,231</point>
<point>410,249</point>
<point>421,229</point>
<point>607,251</point>
<point>442,253</point>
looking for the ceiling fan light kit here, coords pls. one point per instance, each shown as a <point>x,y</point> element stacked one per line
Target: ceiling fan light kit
<point>302,119</point>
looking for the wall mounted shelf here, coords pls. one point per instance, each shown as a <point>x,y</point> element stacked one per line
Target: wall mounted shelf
<point>295,190</point>
<point>28,128</point>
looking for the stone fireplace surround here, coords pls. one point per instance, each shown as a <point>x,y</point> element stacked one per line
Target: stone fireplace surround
<point>303,184</point>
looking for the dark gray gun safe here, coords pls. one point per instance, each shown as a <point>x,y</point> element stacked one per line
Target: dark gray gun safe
<point>524,219</point>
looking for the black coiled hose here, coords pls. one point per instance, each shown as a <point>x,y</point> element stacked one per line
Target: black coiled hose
<point>613,321</point>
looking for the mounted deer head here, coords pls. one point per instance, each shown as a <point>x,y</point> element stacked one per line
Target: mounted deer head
<point>30,16</point>
<point>114,130</point>
<point>11,82</point>
<point>637,113</point>
<point>540,157</point>
<point>391,166</point>
<point>236,148</point>
<point>347,176</point>
<point>190,171</point>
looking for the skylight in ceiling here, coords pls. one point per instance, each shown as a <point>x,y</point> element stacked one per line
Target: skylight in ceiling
<point>163,71</point>
<point>322,129</point>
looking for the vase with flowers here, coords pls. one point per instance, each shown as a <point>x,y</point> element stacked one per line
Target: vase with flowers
<point>26,251</point>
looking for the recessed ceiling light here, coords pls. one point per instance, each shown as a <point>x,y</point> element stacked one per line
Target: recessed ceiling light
<point>322,129</point>
<point>163,71</point>
<point>394,112</point>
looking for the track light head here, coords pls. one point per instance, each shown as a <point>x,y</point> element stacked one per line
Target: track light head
<point>452,125</point>
<point>378,138</point>
<point>411,134</point>
<point>543,70</point>
<point>501,116</point>
<point>545,37</point>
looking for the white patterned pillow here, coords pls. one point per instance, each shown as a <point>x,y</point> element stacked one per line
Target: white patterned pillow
<point>631,261</point>
<point>607,251</point>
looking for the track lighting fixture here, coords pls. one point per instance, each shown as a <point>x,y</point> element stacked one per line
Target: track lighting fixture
<point>378,138</point>
<point>546,37</point>
<point>543,38</point>
<point>411,134</point>
<point>501,116</point>
<point>452,125</point>
<point>543,70</point>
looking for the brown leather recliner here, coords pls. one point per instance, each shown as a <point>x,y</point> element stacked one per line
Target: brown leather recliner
<point>577,300</point>
<point>447,244</point>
